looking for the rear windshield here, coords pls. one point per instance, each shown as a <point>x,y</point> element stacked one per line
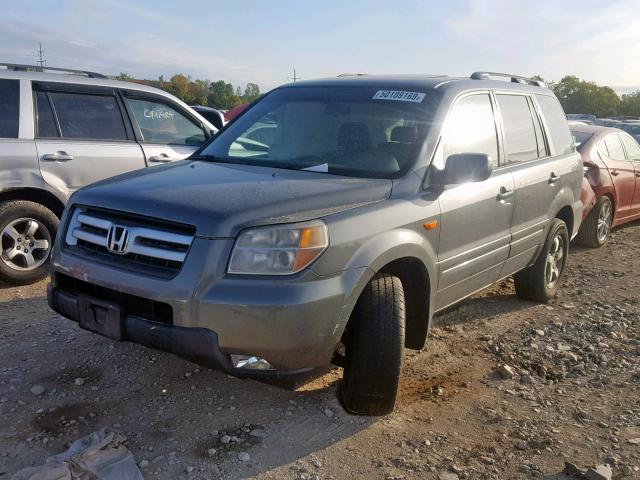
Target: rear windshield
<point>354,131</point>
<point>580,138</point>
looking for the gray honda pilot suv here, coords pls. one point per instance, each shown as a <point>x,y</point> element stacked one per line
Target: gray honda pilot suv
<point>328,223</point>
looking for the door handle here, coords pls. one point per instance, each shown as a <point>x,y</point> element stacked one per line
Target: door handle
<point>553,178</point>
<point>638,174</point>
<point>59,156</point>
<point>162,158</point>
<point>504,194</point>
<point>615,173</point>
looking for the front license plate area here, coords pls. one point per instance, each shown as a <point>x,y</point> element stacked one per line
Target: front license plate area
<point>101,317</point>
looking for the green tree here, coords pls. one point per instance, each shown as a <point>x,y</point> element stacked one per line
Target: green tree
<point>251,92</point>
<point>179,86</point>
<point>123,76</point>
<point>579,96</point>
<point>222,95</point>
<point>630,104</point>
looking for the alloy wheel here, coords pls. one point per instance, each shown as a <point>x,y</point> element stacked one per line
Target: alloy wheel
<point>25,244</point>
<point>604,222</point>
<point>555,262</point>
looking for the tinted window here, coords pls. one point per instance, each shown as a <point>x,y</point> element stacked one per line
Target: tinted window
<point>159,123</point>
<point>632,147</point>
<point>45,123</point>
<point>89,117</point>
<point>616,152</point>
<point>542,148</point>
<point>471,128</point>
<point>9,108</point>
<point>557,126</point>
<point>520,136</point>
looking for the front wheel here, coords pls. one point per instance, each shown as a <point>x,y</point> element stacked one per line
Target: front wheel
<point>27,231</point>
<point>374,345</point>
<point>540,281</point>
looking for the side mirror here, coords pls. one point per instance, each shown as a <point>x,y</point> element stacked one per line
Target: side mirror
<point>465,168</point>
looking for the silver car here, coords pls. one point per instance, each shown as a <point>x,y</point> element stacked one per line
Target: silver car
<point>365,205</point>
<point>61,131</point>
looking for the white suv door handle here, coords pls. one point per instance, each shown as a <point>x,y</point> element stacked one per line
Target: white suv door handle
<point>59,156</point>
<point>553,178</point>
<point>504,194</point>
<point>162,158</point>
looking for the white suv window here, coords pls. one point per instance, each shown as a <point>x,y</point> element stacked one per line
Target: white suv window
<point>160,123</point>
<point>9,108</point>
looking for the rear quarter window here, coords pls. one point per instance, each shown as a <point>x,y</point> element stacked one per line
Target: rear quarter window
<point>9,108</point>
<point>557,126</point>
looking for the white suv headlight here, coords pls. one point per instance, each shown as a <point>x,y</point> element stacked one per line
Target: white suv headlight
<point>278,249</point>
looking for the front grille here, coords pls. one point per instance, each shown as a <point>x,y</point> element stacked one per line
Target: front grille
<point>141,244</point>
<point>130,304</point>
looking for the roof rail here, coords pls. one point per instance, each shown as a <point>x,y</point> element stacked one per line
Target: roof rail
<point>351,75</point>
<point>16,67</point>
<point>514,78</point>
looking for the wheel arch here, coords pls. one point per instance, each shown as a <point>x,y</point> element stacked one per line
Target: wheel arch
<point>36,195</point>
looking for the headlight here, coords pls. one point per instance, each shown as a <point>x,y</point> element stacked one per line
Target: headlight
<point>278,249</point>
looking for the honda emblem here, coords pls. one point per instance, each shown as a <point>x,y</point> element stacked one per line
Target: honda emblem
<point>118,239</point>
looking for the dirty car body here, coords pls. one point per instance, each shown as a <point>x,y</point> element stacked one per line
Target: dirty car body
<point>352,170</point>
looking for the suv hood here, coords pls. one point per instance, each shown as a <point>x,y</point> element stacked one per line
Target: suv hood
<point>221,199</point>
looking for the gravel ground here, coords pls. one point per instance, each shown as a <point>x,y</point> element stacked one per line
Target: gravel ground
<point>505,389</point>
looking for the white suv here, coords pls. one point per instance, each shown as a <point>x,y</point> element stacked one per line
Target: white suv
<point>61,131</point>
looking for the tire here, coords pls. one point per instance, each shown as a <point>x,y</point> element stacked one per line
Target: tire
<point>532,283</point>
<point>27,232</point>
<point>594,231</point>
<point>374,347</point>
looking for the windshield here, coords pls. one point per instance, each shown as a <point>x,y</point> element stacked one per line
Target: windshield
<point>354,131</point>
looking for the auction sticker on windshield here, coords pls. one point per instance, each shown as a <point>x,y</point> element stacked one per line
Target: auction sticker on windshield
<point>399,95</point>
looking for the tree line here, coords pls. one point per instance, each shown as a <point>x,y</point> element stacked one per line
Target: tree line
<point>218,94</point>
<point>580,96</point>
<point>575,95</point>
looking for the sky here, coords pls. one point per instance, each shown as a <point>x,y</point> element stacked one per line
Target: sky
<point>263,41</point>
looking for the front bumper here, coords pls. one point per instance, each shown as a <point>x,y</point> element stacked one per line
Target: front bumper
<point>294,323</point>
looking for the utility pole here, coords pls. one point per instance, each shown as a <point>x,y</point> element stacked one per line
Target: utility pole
<point>295,76</point>
<point>41,59</point>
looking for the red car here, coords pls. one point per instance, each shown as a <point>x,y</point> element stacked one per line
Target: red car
<point>235,111</point>
<point>611,160</point>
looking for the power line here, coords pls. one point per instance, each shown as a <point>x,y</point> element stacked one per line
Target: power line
<point>41,59</point>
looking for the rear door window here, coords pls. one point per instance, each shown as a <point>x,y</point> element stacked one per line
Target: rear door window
<point>45,121</point>
<point>471,128</point>
<point>520,136</point>
<point>614,146</point>
<point>632,148</point>
<point>557,126</point>
<point>9,108</point>
<point>163,124</point>
<point>88,116</point>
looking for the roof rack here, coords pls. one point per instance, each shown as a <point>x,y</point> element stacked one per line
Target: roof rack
<point>16,67</point>
<point>514,78</point>
<point>351,75</point>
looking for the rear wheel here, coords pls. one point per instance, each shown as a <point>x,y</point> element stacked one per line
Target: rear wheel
<point>540,281</point>
<point>374,346</point>
<point>594,231</point>
<point>27,230</point>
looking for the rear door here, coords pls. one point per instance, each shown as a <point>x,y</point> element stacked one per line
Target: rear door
<point>623,174</point>
<point>475,219</point>
<point>633,154</point>
<point>536,175</point>
<point>82,136</point>
<point>165,130</point>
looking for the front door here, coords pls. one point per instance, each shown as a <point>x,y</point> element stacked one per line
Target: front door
<point>166,132</point>
<point>475,230</point>
<point>82,137</point>
<point>623,176</point>
<point>633,154</point>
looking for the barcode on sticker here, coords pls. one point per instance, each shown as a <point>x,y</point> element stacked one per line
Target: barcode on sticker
<point>399,95</point>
